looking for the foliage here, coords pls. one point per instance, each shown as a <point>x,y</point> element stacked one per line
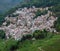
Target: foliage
<point>39,34</point>
<point>52,44</point>
<point>39,13</point>
<point>56,11</point>
<point>49,44</point>
<point>28,36</point>
<point>41,3</point>
<point>1,19</point>
<point>2,34</point>
<point>50,34</point>
<point>44,12</point>
<point>29,45</point>
<point>8,23</point>
<point>8,45</point>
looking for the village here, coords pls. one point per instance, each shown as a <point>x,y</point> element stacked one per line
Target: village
<point>25,24</point>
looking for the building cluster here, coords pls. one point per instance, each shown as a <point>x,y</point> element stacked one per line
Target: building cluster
<point>25,24</point>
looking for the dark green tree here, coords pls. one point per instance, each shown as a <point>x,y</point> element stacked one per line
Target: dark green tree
<point>2,34</point>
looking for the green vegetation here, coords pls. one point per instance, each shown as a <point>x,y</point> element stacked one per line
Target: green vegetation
<point>40,34</point>
<point>39,13</point>
<point>56,13</point>
<point>51,42</point>
<point>2,34</point>
<point>40,3</point>
<point>26,37</point>
<point>1,19</point>
<point>8,23</point>
<point>8,45</point>
<point>44,41</point>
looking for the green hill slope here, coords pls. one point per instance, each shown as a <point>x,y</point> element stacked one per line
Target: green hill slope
<point>52,44</point>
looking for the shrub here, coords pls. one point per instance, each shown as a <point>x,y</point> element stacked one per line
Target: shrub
<point>26,37</point>
<point>39,34</point>
<point>38,13</point>
<point>44,12</point>
<point>11,45</point>
<point>8,23</point>
<point>2,34</point>
<point>8,45</point>
<point>50,35</point>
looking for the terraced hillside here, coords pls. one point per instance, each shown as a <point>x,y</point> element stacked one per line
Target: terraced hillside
<point>52,44</point>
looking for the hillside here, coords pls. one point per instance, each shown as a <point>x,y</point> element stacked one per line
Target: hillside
<point>52,44</point>
<point>8,4</point>
<point>47,44</point>
<point>33,25</point>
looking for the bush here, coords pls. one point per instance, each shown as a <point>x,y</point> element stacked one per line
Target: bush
<point>2,34</point>
<point>8,45</point>
<point>42,34</point>
<point>8,23</point>
<point>44,12</point>
<point>50,35</point>
<point>38,13</point>
<point>26,37</point>
<point>39,34</point>
<point>11,45</point>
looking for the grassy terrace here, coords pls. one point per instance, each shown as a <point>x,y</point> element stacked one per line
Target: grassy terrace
<point>48,44</point>
<point>51,42</point>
